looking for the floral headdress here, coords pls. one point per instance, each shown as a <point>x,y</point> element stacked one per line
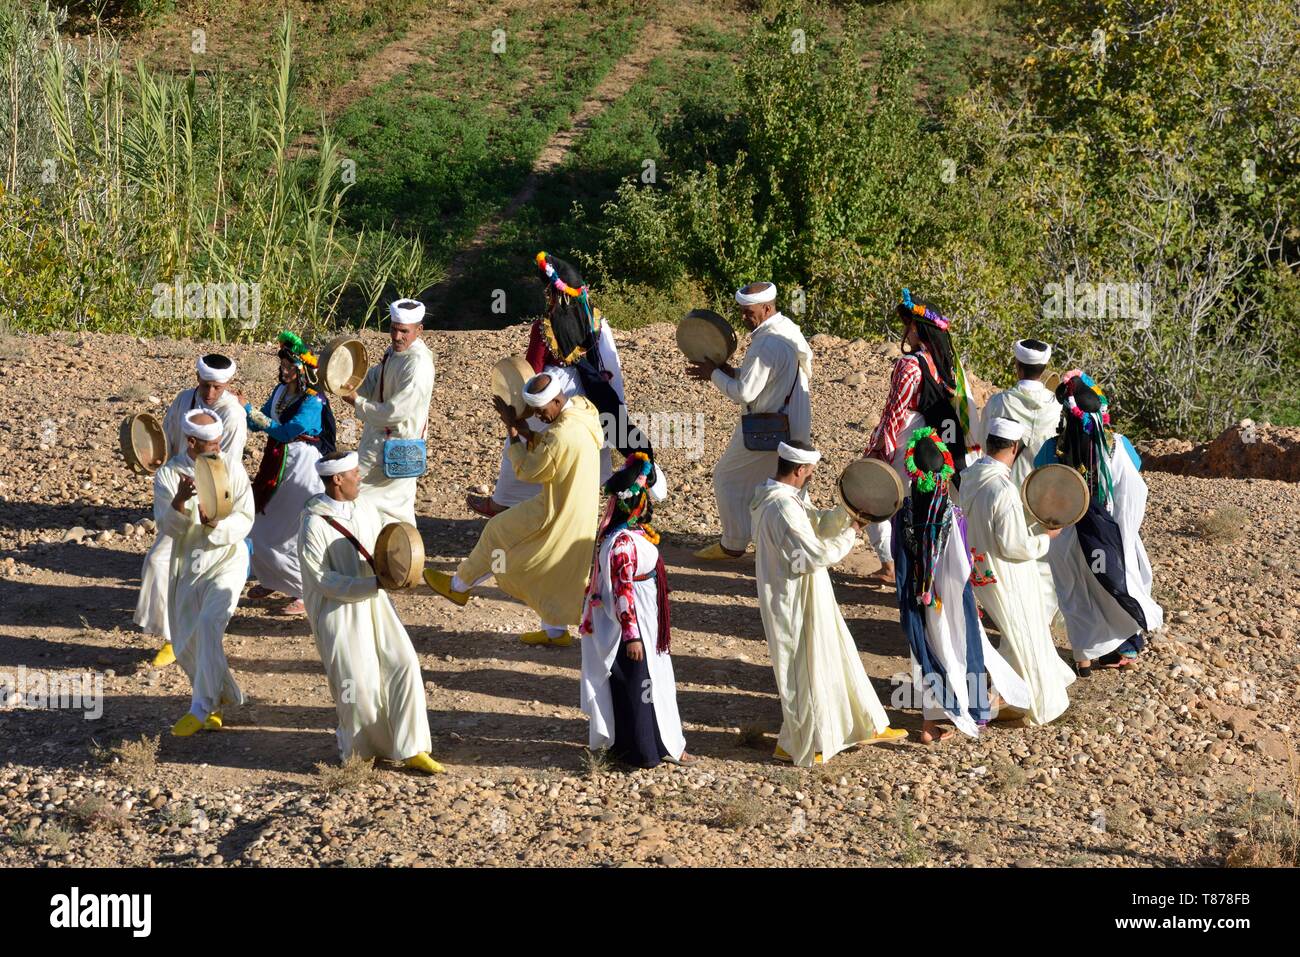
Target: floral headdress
<point>629,501</point>
<point>921,311</point>
<point>928,481</point>
<point>1090,420</point>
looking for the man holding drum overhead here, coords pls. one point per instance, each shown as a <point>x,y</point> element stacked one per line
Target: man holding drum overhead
<point>771,385</point>
<point>1008,553</point>
<point>393,406</point>
<point>374,674</point>
<point>213,394</point>
<point>207,572</point>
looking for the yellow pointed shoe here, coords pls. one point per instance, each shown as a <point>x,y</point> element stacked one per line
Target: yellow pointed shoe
<point>441,583</point>
<point>186,726</point>
<point>213,722</point>
<point>889,734</point>
<point>563,641</point>
<point>716,553</point>
<point>538,637</point>
<point>164,657</point>
<point>782,755</point>
<point>422,762</point>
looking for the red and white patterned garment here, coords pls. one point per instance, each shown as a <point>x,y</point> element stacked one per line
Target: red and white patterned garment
<point>622,576</point>
<point>904,398</point>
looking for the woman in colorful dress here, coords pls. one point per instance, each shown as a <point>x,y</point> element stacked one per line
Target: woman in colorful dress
<point>627,687</point>
<point>299,429</point>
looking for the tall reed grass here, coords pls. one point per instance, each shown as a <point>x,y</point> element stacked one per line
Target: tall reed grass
<point>121,184</point>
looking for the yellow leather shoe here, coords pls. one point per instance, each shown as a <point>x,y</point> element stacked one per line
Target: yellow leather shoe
<point>165,656</point>
<point>441,583</point>
<point>563,641</point>
<point>539,637</point>
<point>422,762</point>
<point>781,755</point>
<point>889,734</point>
<point>213,722</point>
<point>716,553</point>
<point>186,726</point>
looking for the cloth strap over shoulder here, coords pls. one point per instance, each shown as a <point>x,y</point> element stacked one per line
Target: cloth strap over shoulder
<point>361,549</point>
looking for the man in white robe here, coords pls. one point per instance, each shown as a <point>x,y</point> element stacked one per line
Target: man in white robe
<point>213,394</point>
<point>774,377</point>
<point>1008,554</point>
<point>827,701</point>
<point>209,566</point>
<point>1034,406</point>
<point>393,403</point>
<point>373,671</point>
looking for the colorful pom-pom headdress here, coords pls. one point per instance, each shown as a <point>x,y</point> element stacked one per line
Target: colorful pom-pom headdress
<point>629,492</point>
<point>923,312</point>
<point>570,329</point>
<point>927,525</point>
<point>931,480</point>
<point>1085,438</point>
<point>295,350</point>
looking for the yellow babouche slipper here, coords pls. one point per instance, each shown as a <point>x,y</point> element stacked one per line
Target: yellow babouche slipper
<point>716,553</point>
<point>540,637</point>
<point>166,655</point>
<point>213,722</point>
<point>186,726</point>
<point>441,583</point>
<point>422,762</point>
<point>889,734</point>
<point>782,755</point>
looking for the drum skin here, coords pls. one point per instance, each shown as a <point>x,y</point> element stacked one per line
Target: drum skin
<point>703,334</point>
<point>1056,495</point>
<point>343,364</point>
<point>509,376</point>
<point>871,490</point>
<point>212,482</point>
<point>143,443</point>
<point>399,556</point>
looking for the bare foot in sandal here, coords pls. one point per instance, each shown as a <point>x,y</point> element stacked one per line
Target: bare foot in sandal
<point>932,732</point>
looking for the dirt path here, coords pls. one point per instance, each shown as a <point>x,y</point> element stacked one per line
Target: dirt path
<point>656,39</point>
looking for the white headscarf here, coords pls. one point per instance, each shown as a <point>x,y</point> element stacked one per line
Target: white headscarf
<point>537,400</point>
<point>208,374</point>
<point>208,432</point>
<point>1032,357</point>
<point>798,456</point>
<point>1007,429</point>
<point>406,312</point>
<point>754,299</point>
<point>334,466</point>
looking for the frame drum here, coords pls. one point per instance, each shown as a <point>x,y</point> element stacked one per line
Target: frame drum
<point>212,482</point>
<point>871,490</point>
<point>399,556</point>
<point>343,364</point>
<point>703,334</point>
<point>1055,494</point>
<point>144,446</point>
<point>508,379</point>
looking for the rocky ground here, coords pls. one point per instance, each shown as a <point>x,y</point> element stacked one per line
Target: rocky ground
<point>1188,760</point>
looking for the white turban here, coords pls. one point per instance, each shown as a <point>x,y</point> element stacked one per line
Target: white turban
<point>798,456</point>
<point>1007,429</point>
<point>1032,357</point>
<point>204,433</point>
<point>406,312</point>
<point>536,400</point>
<point>658,487</point>
<point>763,295</point>
<point>208,374</point>
<point>334,466</point>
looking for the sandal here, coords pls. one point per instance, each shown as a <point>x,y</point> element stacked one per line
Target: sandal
<point>1081,669</point>
<point>484,505</point>
<point>685,761</point>
<point>258,592</point>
